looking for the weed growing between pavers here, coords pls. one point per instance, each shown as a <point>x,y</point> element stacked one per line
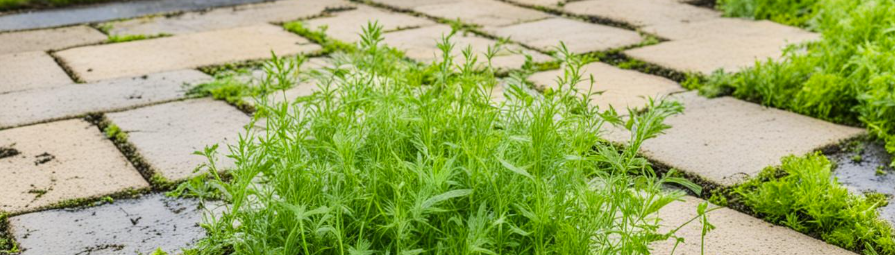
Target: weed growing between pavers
<point>130,38</point>
<point>789,12</point>
<point>7,244</point>
<point>377,161</point>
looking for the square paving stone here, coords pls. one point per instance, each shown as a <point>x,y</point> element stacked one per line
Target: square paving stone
<point>730,27</point>
<point>71,100</point>
<point>135,58</point>
<point>727,141</point>
<point>641,12</point>
<point>408,5</point>
<point>621,88</point>
<point>348,26</point>
<point>61,161</point>
<point>166,135</point>
<point>28,70</point>
<point>225,18</point>
<point>127,226</point>
<point>49,39</point>
<point>578,36</point>
<point>421,44</point>
<point>734,233</point>
<point>483,13</point>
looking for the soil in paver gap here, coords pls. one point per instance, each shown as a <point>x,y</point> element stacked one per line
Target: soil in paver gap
<point>6,152</point>
<point>863,167</point>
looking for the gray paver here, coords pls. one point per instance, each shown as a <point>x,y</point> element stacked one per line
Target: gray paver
<point>484,13</point>
<point>347,26</point>
<point>730,27</point>
<point>127,226</point>
<point>621,88</point>
<point>28,70</point>
<point>735,233</point>
<point>70,100</point>
<point>578,36</point>
<point>641,12</point>
<point>61,161</point>
<point>166,135</point>
<point>109,61</point>
<point>224,18</point>
<point>707,140</point>
<point>49,39</point>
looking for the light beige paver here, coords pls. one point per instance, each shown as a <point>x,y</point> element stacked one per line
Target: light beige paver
<point>641,12</point>
<point>181,52</point>
<point>734,233</point>
<point>70,100</point>
<point>727,141</point>
<point>550,4</point>
<point>49,39</point>
<point>621,88</point>
<point>28,70</point>
<point>578,36</point>
<point>484,13</point>
<point>408,5</point>
<point>225,18</point>
<point>348,26</point>
<point>61,161</point>
<point>166,135</point>
<point>421,44</point>
<point>730,27</point>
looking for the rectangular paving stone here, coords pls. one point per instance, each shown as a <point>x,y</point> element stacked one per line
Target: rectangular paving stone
<point>730,27</point>
<point>641,12</point>
<point>28,70</point>
<point>225,18</point>
<point>348,26</point>
<point>61,161</point>
<point>135,58</point>
<point>550,4</point>
<point>734,233</point>
<point>127,226</point>
<point>578,36</point>
<point>70,100</point>
<point>421,44</point>
<point>49,39</point>
<point>166,135</point>
<point>727,141</point>
<point>621,88</point>
<point>408,5</point>
<point>484,13</point>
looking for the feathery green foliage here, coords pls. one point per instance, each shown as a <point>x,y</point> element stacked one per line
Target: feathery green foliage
<point>789,12</point>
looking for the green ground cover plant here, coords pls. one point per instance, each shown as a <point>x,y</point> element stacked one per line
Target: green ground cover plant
<point>847,77</point>
<point>395,157</point>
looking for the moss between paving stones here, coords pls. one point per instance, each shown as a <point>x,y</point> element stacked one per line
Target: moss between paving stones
<point>119,138</point>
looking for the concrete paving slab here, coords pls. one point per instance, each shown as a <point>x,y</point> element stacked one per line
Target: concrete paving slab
<point>127,226</point>
<point>29,70</point>
<point>408,5</point>
<point>483,13</point>
<point>348,26</point>
<point>578,36</point>
<point>641,12</point>
<point>61,161</point>
<point>621,88</point>
<point>49,39</point>
<point>550,4</point>
<point>71,100</point>
<point>166,135</point>
<point>225,18</point>
<point>182,52</point>
<point>730,27</point>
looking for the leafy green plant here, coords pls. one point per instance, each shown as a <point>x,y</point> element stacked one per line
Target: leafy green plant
<point>789,12</point>
<point>803,195</point>
<point>379,161</point>
<point>330,45</point>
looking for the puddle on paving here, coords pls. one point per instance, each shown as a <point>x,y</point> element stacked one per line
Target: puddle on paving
<point>865,168</point>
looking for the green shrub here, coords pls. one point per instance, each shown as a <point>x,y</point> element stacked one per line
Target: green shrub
<point>789,12</point>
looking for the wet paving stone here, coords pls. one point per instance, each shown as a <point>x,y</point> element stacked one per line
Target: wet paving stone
<point>578,36</point>
<point>347,26</point>
<point>28,70</point>
<point>71,100</point>
<point>865,168</point>
<point>61,161</point>
<point>621,88</point>
<point>136,58</point>
<point>106,12</point>
<point>49,39</point>
<point>126,226</point>
<point>483,13</point>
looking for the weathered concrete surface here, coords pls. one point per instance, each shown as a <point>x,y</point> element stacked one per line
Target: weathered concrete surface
<point>421,44</point>
<point>735,233</point>
<point>621,88</point>
<point>408,5</point>
<point>641,12</point>
<point>727,141</point>
<point>730,27</point>
<point>61,161</point>
<point>348,26</point>
<point>550,4</point>
<point>49,39</point>
<point>70,100</point>
<point>182,52</point>
<point>127,226</point>
<point>225,18</point>
<point>166,135</point>
<point>106,12</point>
<point>578,36</point>
<point>28,70</point>
<point>484,13</point>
